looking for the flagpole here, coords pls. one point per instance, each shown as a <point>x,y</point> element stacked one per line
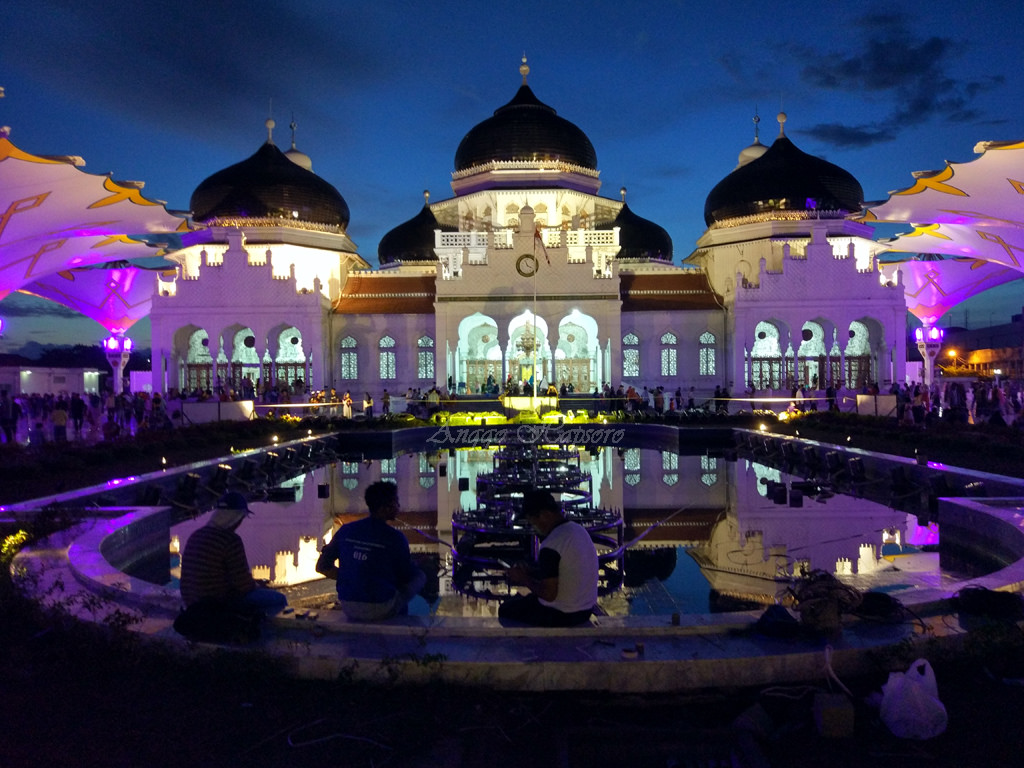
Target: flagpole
<point>536,269</point>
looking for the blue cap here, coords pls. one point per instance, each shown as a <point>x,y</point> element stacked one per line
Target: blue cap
<point>234,500</point>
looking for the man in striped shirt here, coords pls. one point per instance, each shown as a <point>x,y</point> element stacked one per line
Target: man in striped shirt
<point>214,567</point>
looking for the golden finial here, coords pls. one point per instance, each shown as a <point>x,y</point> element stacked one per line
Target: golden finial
<point>426,196</point>
<point>622,192</point>
<point>782,123</point>
<point>524,70</point>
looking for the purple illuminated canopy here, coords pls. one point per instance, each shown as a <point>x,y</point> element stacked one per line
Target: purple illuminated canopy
<point>968,231</point>
<point>67,235</point>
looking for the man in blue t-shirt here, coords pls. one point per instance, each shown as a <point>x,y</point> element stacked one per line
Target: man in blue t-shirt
<point>371,562</point>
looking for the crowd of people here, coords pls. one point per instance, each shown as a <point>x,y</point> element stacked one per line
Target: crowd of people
<point>959,402</point>
<point>64,417</point>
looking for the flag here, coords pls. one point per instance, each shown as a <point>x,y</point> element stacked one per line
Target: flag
<point>538,238</point>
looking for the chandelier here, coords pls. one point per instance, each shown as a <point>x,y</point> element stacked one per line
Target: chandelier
<point>527,342</point>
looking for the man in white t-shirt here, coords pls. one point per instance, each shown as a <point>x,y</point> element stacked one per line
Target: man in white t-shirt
<point>563,581</point>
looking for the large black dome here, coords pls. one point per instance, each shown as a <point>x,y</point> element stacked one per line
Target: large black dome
<point>640,238</point>
<point>411,241</point>
<point>784,178</point>
<point>269,185</point>
<point>525,129</point>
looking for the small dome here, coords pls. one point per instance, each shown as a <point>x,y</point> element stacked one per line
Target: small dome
<point>301,159</point>
<point>525,129</point>
<point>640,238</point>
<point>755,150</point>
<point>783,178</point>
<point>411,241</point>
<point>269,185</point>
<point>751,153</point>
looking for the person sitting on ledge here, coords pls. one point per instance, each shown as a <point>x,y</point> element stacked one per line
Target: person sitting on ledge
<point>563,581</point>
<point>371,562</point>
<point>214,568</point>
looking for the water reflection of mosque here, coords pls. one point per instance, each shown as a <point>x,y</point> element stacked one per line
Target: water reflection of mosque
<point>491,534</point>
<point>717,511</point>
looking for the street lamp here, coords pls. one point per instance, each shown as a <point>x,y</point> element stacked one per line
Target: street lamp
<point>118,349</point>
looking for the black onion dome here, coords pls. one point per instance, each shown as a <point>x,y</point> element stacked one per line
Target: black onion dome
<point>783,179</point>
<point>525,129</point>
<point>411,241</point>
<point>269,185</point>
<point>640,238</point>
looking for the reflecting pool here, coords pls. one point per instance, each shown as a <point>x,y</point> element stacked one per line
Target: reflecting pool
<point>698,533</point>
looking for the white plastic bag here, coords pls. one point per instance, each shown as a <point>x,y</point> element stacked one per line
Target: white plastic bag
<point>911,708</point>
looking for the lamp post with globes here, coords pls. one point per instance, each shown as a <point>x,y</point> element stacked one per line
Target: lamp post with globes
<point>118,349</point>
<point>929,342</point>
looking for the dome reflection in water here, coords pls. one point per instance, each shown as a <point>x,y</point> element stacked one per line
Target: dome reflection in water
<point>677,534</point>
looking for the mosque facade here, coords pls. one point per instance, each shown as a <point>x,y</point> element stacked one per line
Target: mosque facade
<point>528,275</point>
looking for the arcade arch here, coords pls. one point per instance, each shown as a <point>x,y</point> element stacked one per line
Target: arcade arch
<point>576,352</point>
<point>823,355</point>
<point>528,354</point>
<point>291,365</point>
<point>478,354</point>
<point>198,364</point>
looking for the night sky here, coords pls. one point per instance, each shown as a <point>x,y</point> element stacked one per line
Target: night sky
<point>170,92</point>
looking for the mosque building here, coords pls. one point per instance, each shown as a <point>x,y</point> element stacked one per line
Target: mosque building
<point>528,274</point>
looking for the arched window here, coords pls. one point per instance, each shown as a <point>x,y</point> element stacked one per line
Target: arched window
<point>350,475</point>
<point>631,465</point>
<point>427,477</point>
<point>630,356</point>
<point>349,359</point>
<point>387,358</point>
<point>669,355</point>
<point>425,358</point>
<point>708,470</point>
<point>670,467</point>
<point>706,364</point>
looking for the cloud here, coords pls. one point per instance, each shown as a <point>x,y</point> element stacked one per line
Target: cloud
<point>22,305</point>
<point>846,136</point>
<point>669,171</point>
<point>912,79</point>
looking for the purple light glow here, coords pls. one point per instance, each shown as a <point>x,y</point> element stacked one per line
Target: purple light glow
<point>928,333</point>
<point>922,535</point>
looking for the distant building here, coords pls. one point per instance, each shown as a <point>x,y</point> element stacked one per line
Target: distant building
<point>987,350</point>
<point>19,375</point>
